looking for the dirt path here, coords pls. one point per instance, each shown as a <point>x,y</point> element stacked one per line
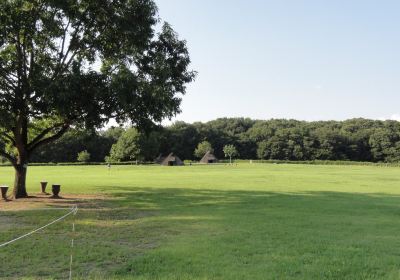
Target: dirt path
<point>43,201</point>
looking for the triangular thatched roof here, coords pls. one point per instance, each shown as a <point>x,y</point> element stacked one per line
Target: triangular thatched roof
<point>159,159</point>
<point>172,159</point>
<point>208,158</point>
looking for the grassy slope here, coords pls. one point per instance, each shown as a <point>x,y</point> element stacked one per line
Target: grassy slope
<point>216,222</point>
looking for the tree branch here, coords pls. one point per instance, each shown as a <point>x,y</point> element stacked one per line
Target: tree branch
<point>49,139</point>
<point>8,137</point>
<point>63,39</point>
<point>31,62</point>
<point>9,157</point>
<point>19,59</point>
<point>10,82</point>
<point>41,135</point>
<point>64,57</point>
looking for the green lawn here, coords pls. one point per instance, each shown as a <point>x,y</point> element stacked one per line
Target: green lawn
<point>260,221</point>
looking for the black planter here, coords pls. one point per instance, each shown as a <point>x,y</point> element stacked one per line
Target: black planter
<point>4,190</point>
<point>56,190</point>
<point>43,185</point>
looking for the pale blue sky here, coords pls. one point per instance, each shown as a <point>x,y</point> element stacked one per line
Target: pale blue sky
<point>302,59</point>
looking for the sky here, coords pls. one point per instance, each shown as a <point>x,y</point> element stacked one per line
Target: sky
<point>301,59</point>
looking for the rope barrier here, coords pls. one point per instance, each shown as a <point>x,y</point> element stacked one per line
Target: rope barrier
<point>74,209</point>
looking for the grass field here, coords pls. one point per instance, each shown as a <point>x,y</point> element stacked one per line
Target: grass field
<point>260,221</point>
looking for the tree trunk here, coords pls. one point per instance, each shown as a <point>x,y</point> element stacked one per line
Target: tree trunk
<point>20,181</point>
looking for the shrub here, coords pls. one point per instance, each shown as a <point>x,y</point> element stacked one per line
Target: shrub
<point>83,156</point>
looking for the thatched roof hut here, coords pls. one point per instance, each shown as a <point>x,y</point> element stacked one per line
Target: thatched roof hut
<point>172,160</point>
<point>159,159</point>
<point>209,158</point>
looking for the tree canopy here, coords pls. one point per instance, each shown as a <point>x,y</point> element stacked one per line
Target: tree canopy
<point>70,64</point>
<point>230,151</point>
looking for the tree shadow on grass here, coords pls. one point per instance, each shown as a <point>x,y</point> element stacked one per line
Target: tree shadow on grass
<point>275,233</point>
<point>173,232</point>
<point>169,199</point>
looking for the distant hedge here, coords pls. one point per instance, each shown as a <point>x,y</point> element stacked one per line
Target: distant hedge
<point>82,163</point>
<point>240,161</point>
<point>316,162</point>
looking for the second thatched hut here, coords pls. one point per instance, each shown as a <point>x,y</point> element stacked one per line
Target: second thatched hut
<point>172,160</point>
<point>208,158</point>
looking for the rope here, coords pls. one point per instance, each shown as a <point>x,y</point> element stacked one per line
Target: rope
<point>72,244</point>
<point>74,209</point>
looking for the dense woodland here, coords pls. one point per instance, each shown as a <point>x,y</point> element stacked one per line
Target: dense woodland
<point>355,140</point>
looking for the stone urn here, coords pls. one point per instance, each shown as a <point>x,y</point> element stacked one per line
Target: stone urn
<point>4,190</point>
<point>56,190</point>
<point>43,185</point>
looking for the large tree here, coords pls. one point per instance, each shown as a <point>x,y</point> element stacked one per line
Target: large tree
<point>78,63</point>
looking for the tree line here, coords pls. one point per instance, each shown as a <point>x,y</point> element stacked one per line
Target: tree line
<point>277,139</point>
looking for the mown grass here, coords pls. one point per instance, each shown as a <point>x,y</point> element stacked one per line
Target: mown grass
<point>259,221</point>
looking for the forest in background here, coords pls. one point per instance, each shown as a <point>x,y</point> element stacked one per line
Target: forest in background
<point>277,139</point>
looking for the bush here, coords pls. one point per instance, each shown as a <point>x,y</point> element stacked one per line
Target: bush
<point>83,156</point>
<point>202,149</point>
